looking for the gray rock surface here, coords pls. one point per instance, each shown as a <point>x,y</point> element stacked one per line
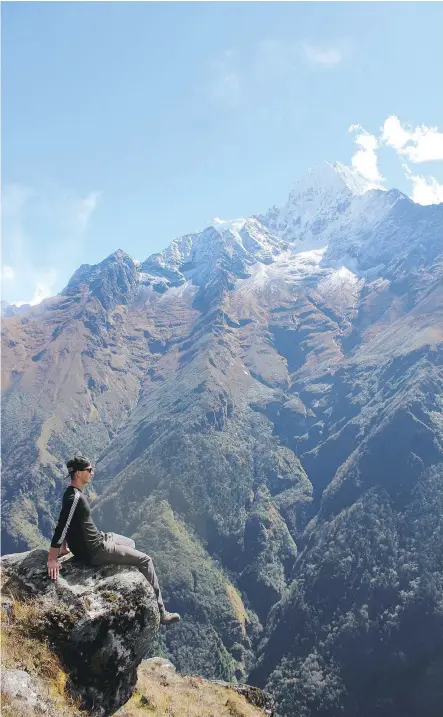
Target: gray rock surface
<point>23,690</point>
<point>101,621</point>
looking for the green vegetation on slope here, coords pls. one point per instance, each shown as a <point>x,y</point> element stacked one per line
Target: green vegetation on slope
<point>375,578</point>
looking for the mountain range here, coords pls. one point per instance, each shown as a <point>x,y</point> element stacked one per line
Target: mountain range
<point>263,403</point>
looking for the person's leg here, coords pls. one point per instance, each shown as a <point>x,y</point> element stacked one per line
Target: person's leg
<point>113,553</point>
<point>120,539</point>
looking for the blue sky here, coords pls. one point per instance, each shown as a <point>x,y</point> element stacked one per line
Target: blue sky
<point>127,124</point>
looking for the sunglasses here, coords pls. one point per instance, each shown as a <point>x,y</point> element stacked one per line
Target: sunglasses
<point>89,469</point>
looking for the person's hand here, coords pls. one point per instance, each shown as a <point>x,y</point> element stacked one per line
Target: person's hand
<point>53,568</point>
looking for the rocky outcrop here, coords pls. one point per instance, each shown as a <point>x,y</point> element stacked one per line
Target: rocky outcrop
<point>112,282</point>
<point>254,695</point>
<point>101,621</point>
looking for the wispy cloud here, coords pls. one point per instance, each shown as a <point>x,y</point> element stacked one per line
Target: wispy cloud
<point>323,56</point>
<point>364,160</point>
<point>14,199</point>
<point>43,234</point>
<point>43,289</point>
<point>275,60</point>
<point>412,145</point>
<point>225,80</point>
<point>232,77</point>
<point>7,273</point>
<point>85,209</point>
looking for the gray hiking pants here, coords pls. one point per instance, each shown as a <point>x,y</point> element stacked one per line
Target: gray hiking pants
<point>118,550</point>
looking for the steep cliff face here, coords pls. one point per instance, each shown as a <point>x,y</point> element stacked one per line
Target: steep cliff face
<point>263,401</point>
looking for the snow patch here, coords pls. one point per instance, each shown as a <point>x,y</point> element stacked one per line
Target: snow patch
<point>356,184</point>
<point>228,225</point>
<point>342,288</point>
<point>179,292</point>
<point>289,266</point>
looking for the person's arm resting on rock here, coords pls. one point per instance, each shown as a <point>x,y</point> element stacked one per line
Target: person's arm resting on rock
<point>58,543</point>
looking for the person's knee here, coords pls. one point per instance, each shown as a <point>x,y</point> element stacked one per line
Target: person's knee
<point>146,561</point>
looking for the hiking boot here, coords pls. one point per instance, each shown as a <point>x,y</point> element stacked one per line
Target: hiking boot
<point>167,618</point>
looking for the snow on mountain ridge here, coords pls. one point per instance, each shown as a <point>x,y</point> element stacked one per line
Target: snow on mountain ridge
<point>327,189</point>
<point>224,225</point>
<point>333,225</point>
<point>333,232</point>
<point>234,243</point>
<point>316,202</point>
<point>330,178</point>
<point>331,208</point>
<point>353,180</point>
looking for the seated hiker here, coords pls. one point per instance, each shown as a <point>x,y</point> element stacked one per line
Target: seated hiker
<point>76,528</point>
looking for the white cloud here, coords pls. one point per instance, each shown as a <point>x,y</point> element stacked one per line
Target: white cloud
<point>7,273</point>
<point>415,144</point>
<point>393,133</point>
<point>226,83</point>
<point>324,56</point>
<point>419,144</point>
<point>428,145</point>
<point>364,160</point>
<point>426,190</point>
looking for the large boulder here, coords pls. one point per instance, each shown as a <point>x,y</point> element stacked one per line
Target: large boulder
<point>101,621</point>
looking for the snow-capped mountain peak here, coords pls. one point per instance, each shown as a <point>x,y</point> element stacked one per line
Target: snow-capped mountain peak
<point>236,244</point>
<point>356,184</point>
<point>328,203</point>
<point>331,179</point>
<point>317,200</point>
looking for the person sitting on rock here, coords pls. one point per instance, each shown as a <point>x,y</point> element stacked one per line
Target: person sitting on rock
<point>76,528</point>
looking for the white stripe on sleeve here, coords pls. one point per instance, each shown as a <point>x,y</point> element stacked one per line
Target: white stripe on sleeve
<point>71,513</point>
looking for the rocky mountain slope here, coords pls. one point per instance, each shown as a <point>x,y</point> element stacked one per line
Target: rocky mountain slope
<point>263,401</point>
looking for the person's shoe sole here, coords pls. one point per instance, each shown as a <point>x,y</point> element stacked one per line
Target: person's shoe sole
<point>170,618</point>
